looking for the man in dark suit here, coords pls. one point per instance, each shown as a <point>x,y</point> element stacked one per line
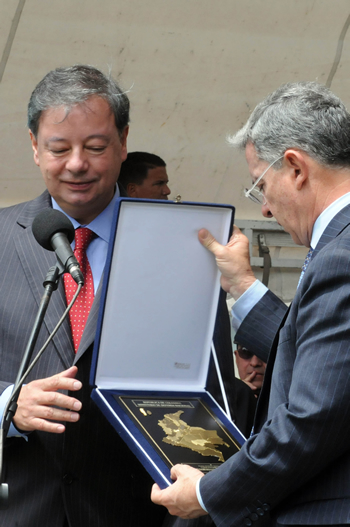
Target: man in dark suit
<point>294,469</point>
<point>251,368</point>
<point>64,463</point>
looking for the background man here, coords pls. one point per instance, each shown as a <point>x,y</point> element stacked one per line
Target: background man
<point>73,469</point>
<point>296,465</point>
<point>251,369</point>
<point>144,175</point>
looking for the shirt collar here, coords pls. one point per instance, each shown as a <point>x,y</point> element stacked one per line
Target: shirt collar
<point>102,224</point>
<point>326,217</point>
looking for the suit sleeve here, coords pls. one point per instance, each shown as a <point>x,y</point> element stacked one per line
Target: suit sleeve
<point>259,327</point>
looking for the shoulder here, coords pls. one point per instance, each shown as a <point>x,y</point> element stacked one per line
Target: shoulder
<point>24,213</point>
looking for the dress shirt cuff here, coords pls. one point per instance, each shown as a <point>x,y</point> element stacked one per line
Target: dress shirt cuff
<point>4,397</point>
<point>199,497</point>
<point>246,302</point>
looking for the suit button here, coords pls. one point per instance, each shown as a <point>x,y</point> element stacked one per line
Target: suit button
<point>68,479</point>
<point>254,517</point>
<point>266,507</point>
<point>248,522</point>
<point>260,512</point>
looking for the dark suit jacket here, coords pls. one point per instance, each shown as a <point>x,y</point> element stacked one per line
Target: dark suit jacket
<point>87,473</point>
<point>240,397</point>
<point>298,465</point>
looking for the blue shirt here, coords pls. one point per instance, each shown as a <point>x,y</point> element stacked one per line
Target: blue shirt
<point>97,249</point>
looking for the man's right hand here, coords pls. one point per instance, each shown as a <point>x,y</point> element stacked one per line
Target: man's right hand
<point>249,379</point>
<point>232,260</point>
<point>40,403</point>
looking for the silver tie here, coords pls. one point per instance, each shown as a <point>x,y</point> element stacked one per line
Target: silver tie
<point>305,264</point>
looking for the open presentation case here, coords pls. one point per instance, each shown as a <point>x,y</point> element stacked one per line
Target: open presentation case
<point>154,334</point>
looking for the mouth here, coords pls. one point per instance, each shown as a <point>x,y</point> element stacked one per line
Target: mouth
<point>79,185</point>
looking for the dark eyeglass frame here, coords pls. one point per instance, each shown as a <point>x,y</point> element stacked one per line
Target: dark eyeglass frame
<point>244,353</point>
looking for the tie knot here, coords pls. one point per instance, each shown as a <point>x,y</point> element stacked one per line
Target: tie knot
<point>83,237</point>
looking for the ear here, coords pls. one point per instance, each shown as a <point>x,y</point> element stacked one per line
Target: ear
<point>297,161</point>
<point>123,141</point>
<point>131,190</point>
<point>34,147</point>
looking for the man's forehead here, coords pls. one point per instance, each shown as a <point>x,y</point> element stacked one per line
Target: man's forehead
<point>256,165</point>
<point>159,173</point>
<point>91,108</point>
<point>252,156</point>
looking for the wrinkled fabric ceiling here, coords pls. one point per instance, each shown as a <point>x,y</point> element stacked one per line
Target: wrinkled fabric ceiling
<point>194,69</point>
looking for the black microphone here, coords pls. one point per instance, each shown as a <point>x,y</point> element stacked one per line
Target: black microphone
<point>55,232</point>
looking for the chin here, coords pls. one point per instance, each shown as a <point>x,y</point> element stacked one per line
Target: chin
<point>294,236</point>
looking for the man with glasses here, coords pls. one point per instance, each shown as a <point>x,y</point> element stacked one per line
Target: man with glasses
<point>295,466</point>
<point>250,368</point>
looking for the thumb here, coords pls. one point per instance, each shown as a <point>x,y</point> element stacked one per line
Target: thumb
<point>156,492</point>
<point>208,241</point>
<point>70,373</point>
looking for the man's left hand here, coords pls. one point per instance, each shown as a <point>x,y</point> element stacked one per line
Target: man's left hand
<point>180,498</point>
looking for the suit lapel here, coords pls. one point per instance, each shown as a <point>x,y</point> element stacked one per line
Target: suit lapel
<point>263,401</point>
<point>36,263</point>
<point>89,333</point>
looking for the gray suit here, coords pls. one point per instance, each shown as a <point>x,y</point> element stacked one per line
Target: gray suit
<point>298,465</point>
<point>87,473</point>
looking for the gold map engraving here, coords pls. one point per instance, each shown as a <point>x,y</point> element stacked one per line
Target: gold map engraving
<point>202,441</point>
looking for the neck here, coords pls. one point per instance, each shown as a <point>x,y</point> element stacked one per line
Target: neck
<point>334,184</point>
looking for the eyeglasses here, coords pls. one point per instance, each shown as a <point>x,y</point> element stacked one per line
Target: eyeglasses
<point>254,193</point>
<point>244,353</point>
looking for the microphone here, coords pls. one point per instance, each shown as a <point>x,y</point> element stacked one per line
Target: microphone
<point>55,232</point>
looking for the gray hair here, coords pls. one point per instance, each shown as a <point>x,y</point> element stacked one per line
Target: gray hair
<point>303,115</point>
<point>74,85</point>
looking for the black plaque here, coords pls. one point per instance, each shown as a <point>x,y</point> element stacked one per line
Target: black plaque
<point>181,430</point>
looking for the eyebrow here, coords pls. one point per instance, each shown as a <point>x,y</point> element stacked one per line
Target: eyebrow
<point>57,139</point>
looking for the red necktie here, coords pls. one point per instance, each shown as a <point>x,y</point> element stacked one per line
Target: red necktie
<point>80,311</point>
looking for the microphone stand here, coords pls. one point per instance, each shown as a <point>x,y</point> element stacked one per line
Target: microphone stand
<point>50,284</point>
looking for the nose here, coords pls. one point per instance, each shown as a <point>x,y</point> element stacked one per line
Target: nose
<point>166,190</point>
<point>255,361</point>
<point>77,162</point>
<point>265,211</point>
